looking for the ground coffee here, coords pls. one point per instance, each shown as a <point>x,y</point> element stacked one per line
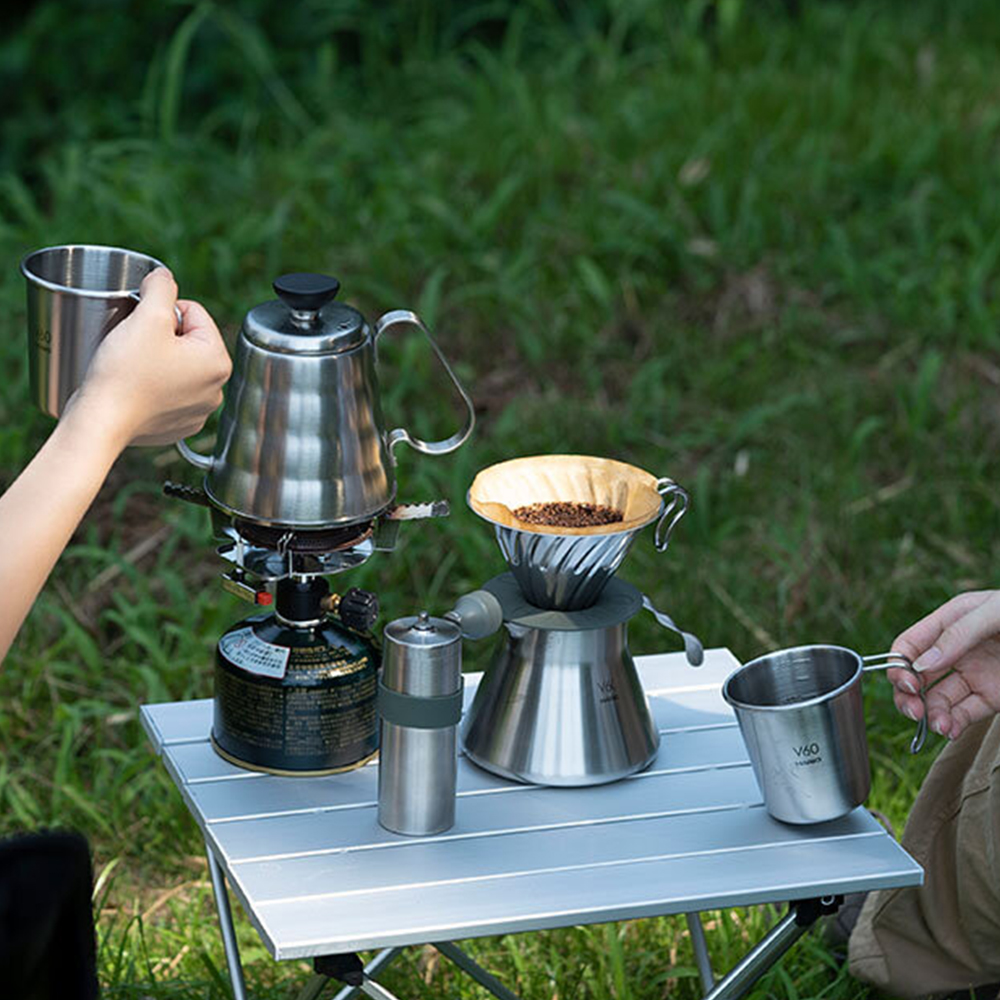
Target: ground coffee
<point>568,514</point>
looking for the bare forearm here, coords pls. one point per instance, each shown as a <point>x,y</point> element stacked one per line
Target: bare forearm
<point>41,510</point>
<point>145,385</point>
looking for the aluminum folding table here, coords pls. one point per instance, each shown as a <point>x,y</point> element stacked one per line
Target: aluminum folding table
<point>319,878</point>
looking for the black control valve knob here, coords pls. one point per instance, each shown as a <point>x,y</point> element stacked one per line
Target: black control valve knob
<point>356,608</point>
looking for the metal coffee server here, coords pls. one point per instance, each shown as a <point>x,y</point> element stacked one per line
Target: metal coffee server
<point>420,704</point>
<point>561,702</point>
<point>76,294</point>
<point>301,486</point>
<point>802,718</point>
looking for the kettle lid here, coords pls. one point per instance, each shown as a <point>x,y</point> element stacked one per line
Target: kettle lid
<point>305,318</point>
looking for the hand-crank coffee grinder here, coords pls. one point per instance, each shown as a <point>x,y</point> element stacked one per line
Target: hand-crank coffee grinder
<point>301,486</point>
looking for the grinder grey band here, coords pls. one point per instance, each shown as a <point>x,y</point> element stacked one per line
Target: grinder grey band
<point>434,712</point>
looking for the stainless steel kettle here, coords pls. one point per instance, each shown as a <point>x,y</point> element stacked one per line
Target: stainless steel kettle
<point>301,442</point>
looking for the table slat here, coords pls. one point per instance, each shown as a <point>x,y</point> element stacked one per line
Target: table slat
<point>626,891</point>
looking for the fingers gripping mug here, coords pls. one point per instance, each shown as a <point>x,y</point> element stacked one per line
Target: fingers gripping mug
<point>76,295</point>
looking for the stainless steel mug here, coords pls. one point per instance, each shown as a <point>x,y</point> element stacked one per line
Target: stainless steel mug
<point>420,704</point>
<point>76,294</point>
<point>802,718</point>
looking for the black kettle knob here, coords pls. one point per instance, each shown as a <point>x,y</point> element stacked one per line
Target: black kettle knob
<point>358,609</point>
<point>305,292</point>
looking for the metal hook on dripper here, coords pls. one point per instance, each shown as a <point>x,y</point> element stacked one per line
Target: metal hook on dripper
<point>693,648</point>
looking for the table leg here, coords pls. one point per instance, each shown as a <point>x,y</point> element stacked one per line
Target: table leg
<point>757,961</point>
<point>372,969</point>
<point>701,958</point>
<point>226,925</point>
<point>801,916</point>
<point>376,991</point>
<point>313,988</point>
<point>470,966</point>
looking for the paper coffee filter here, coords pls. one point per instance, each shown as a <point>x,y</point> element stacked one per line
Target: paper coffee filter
<point>499,490</point>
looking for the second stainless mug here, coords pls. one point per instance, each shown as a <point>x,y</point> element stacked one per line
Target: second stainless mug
<point>801,715</point>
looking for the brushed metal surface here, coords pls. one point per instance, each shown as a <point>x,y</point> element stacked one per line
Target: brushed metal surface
<point>801,713</point>
<point>569,572</point>
<point>563,571</point>
<point>301,441</point>
<point>317,874</point>
<point>561,708</point>
<point>422,658</point>
<point>418,770</point>
<point>561,703</point>
<point>76,294</point>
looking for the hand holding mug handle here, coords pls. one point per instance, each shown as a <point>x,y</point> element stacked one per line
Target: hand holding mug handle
<point>177,312</point>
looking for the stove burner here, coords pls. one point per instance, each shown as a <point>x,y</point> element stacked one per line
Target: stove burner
<point>307,542</point>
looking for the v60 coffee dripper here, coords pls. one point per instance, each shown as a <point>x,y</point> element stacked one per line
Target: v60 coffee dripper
<point>302,485</point>
<point>561,703</point>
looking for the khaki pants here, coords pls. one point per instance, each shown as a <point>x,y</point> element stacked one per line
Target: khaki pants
<point>944,935</point>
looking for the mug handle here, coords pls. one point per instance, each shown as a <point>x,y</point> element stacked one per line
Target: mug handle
<point>403,316</point>
<point>177,312</point>
<point>676,506</point>
<point>883,661</point>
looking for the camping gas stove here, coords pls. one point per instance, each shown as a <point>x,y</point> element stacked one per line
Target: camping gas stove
<point>301,484</point>
<point>296,685</point>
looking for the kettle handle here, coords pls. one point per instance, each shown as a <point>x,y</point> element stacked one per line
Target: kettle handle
<point>198,461</point>
<point>395,318</point>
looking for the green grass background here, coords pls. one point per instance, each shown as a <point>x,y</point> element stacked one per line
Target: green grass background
<point>752,246</point>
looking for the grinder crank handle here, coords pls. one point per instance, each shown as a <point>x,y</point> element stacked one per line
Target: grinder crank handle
<point>403,316</point>
<point>478,614</point>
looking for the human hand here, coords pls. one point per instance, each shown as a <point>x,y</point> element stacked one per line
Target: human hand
<point>959,642</point>
<point>148,385</point>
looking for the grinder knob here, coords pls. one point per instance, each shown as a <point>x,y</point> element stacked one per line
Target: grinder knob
<point>358,609</point>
